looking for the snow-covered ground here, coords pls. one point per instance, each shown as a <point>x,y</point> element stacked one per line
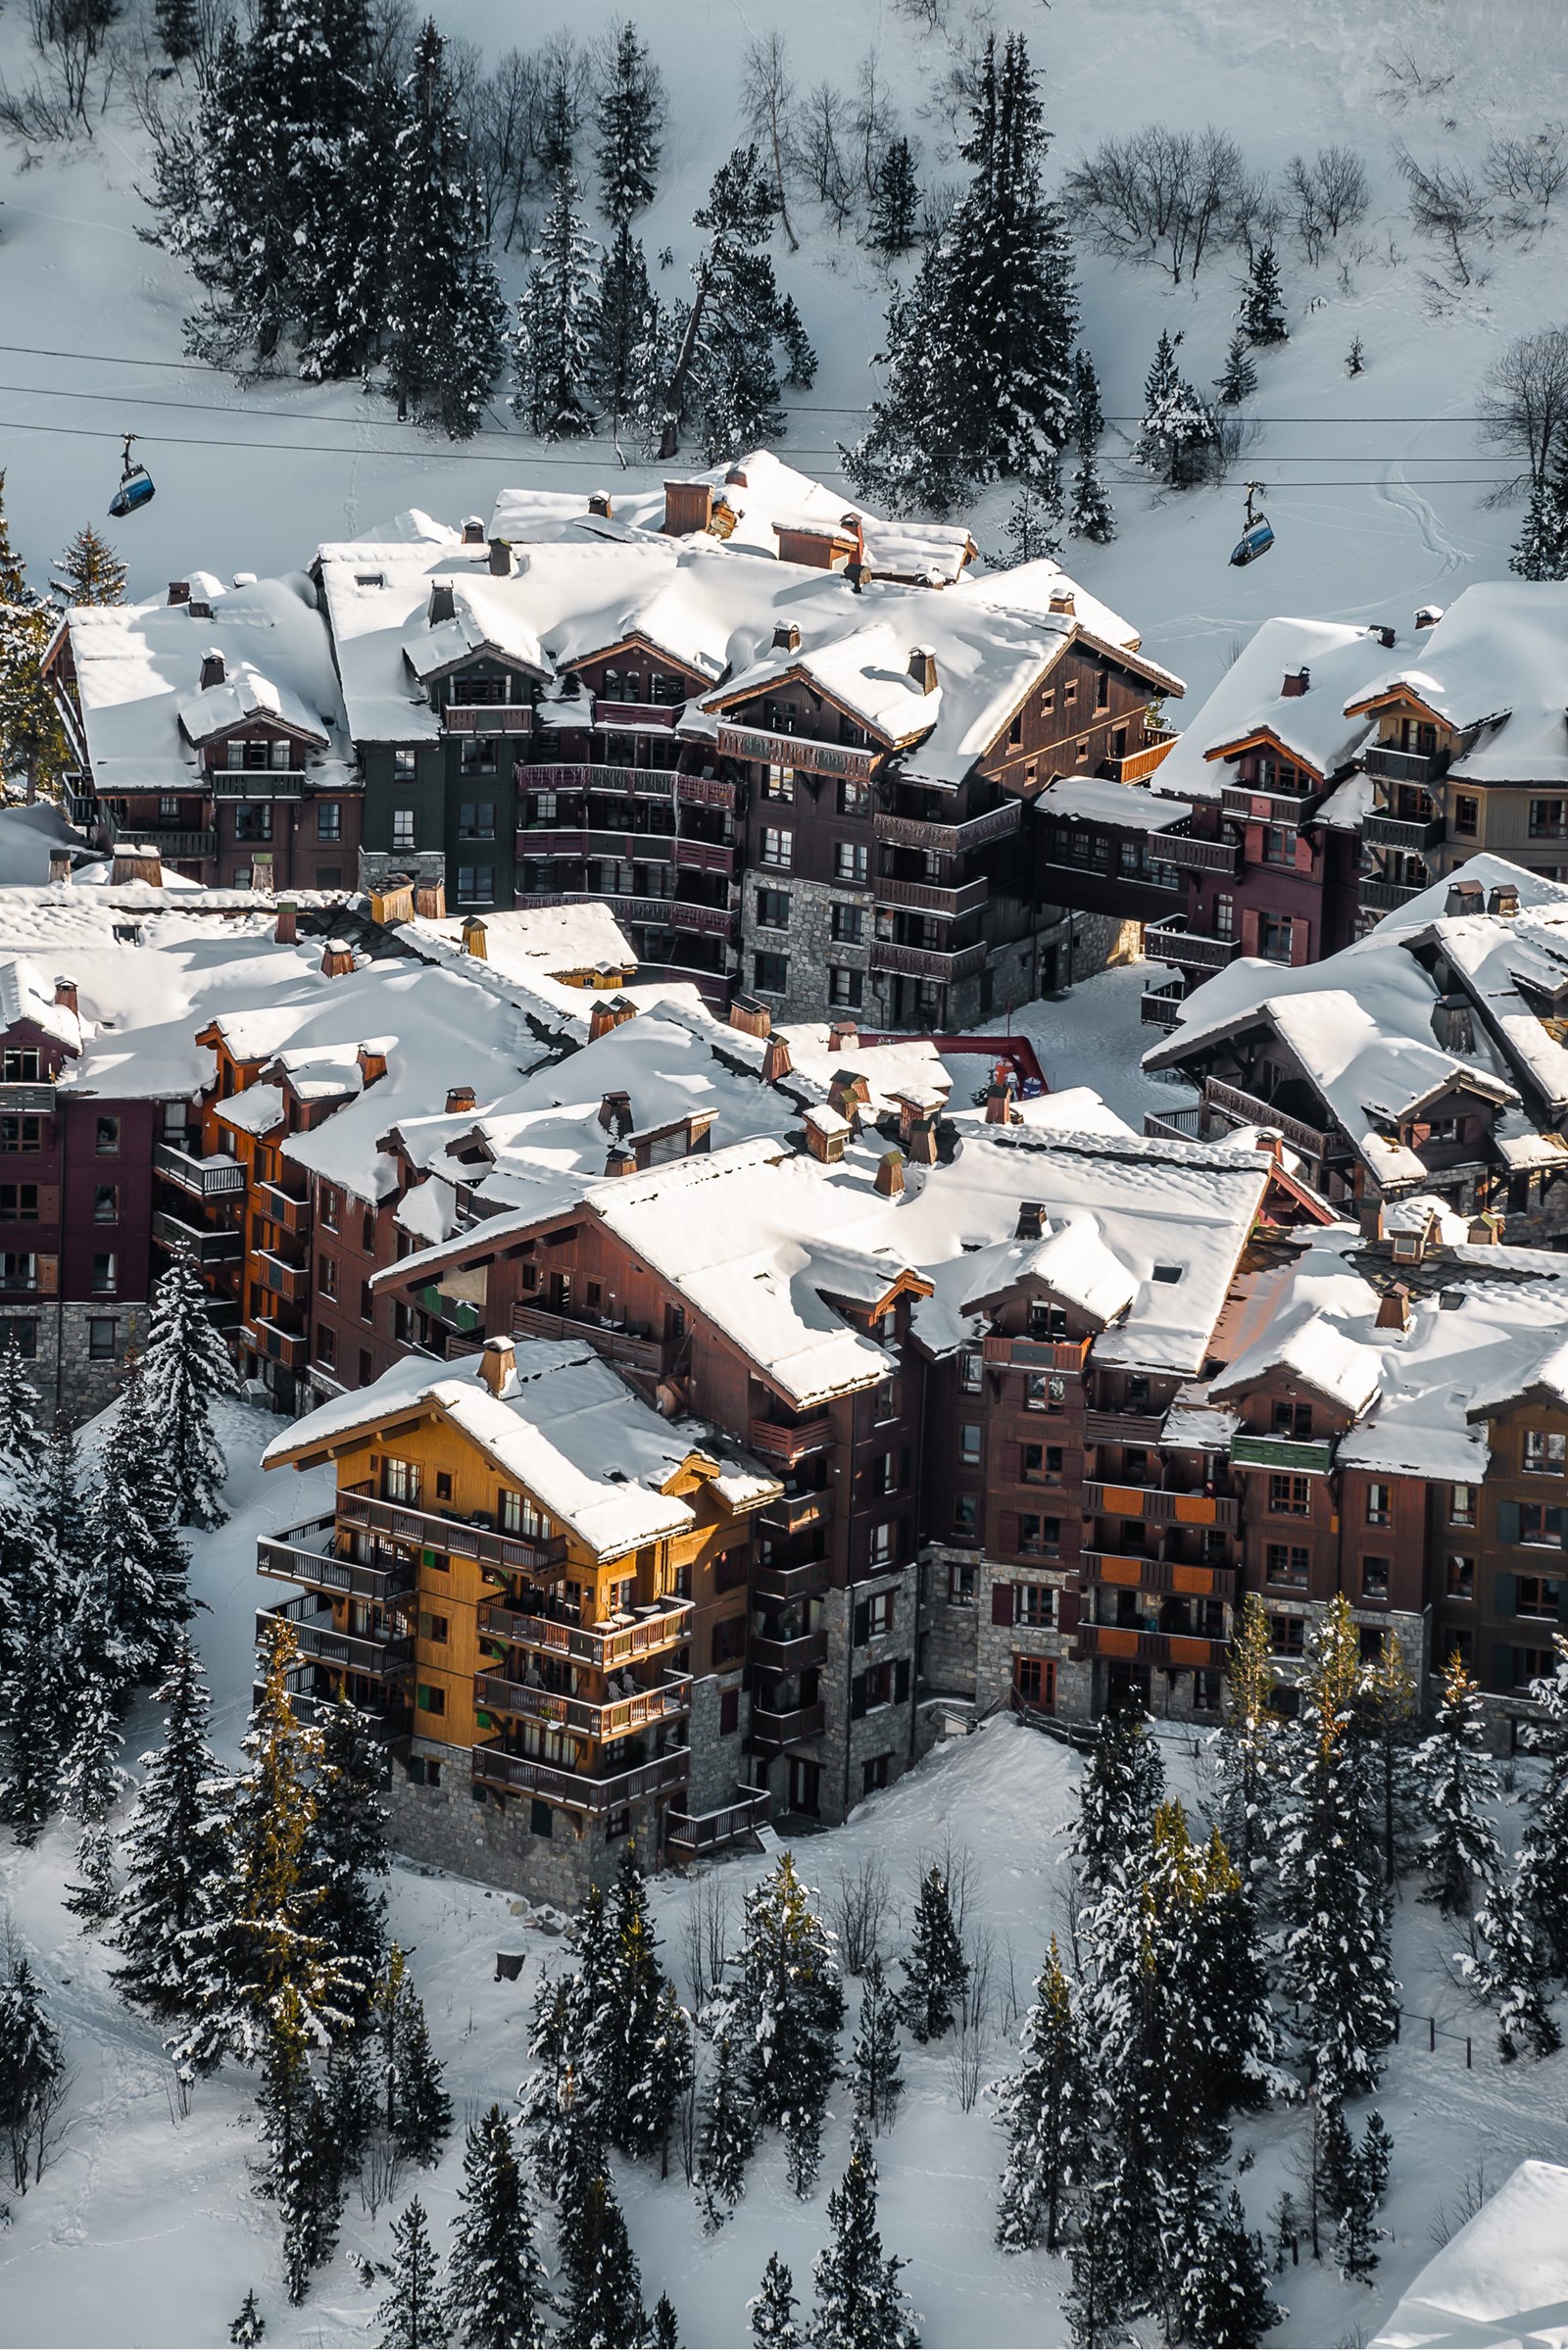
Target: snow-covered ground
<point>146,2231</point>
<point>1375,484</point>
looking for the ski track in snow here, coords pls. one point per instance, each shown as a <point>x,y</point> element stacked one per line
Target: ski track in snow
<point>1396,490</point>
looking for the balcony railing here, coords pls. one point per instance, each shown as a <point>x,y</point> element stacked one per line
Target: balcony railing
<point>716,922</point>
<point>578,1790</point>
<point>222,1246</point>
<point>603,1648</point>
<point>928,897</point>
<point>778,1583</point>
<point>616,1345</point>
<point>669,1700</point>
<point>1385,831</point>
<point>172,840</point>
<point>1171,941</point>
<point>1172,1649</point>
<point>1299,1456</point>
<point>636,716</point>
<point>705,857</point>
<point>709,1831</point>
<point>1122,1426</point>
<point>927,962</point>
<point>950,840</point>
<point>1134,766</point>
<point>292,1282</point>
<point>1237,799</point>
<point>514,1552</point>
<point>204,1178</point>
<point>788,1444</point>
<point>794,1655</point>
<point>1039,1354</point>
<point>286,1560</point>
<point>258,783</point>
<point>793,1513</point>
<point>1405,767</point>
<point>656,783</point>
<point>773,1730</point>
<point>796,751</point>
<point>1173,1125</point>
<point>28,1098</point>
<point>1249,1109</point>
<point>1126,1573</point>
<point>488,717</point>
<point>1161,1507</point>
<point>1386,897</point>
<point>709,791</point>
<point>1199,856</point>
<point>281,1207</point>
<point>1160,1007</point>
<point>350,1651</point>
<point>290,1349</point>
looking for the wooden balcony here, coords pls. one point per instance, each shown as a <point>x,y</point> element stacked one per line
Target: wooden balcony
<point>1173,1125</point>
<point>488,717</point>
<point>27,1099</point>
<point>950,840</point>
<point>636,717</point>
<point>292,1282</point>
<point>1249,1109</point>
<point>716,922</point>
<point>1160,1506</point>
<point>1406,766</point>
<point>1387,897</point>
<point>1383,831</point>
<point>514,1554</point>
<point>1134,766</point>
<point>1039,1354</point>
<point>776,1583</point>
<point>290,1349</point>
<point>784,1446</point>
<point>285,1559</point>
<point>615,1345</point>
<point>1122,1426</point>
<point>771,1731</point>
<point>1199,856</point>
<point>604,1648</point>
<point>707,791</point>
<point>1169,941</point>
<point>1297,1457</point>
<point>204,1178</point>
<point>705,857</point>
<point>224,1245</point>
<point>656,783</point>
<point>789,1656</point>
<point>687,1836</point>
<point>1175,1650</point>
<point>794,1513</point>
<point>929,896</point>
<point>669,1700</point>
<point>386,1658</point>
<point>281,1207</point>
<point>577,1791</point>
<point>553,840</point>
<point>806,756</point>
<point>927,962</point>
<point>256,783</point>
<point>1138,1574</point>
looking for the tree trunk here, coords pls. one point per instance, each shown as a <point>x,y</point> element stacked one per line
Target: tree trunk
<point>669,435</point>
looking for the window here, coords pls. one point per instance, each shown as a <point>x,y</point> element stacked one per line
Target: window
<point>19,1204</point>
<point>770,973</point>
<point>1545,1450</point>
<point>1374,1577</point>
<point>1289,1496</point>
<point>20,1065</point>
<point>403,763</point>
<point>326,1345</point>
<point>965,1513</point>
<point>432,1699</point>
<point>1224,917</point>
<point>778,848</point>
<point>1035,1679</point>
<point>433,1628</point>
<point>1275,935</point>
<point>1293,1419</point>
<point>544,807</point>
<point>476,885</point>
<point>882,1543</point>
<point>400,1482</point>
<point>888,1476</point>
<point>253,820</point>
<point>846,988</point>
<point>1538,1595</point>
<point>874,1773</point>
<point>478,754</point>
<point>1035,1604</point>
<point>1287,1564</point>
<point>106,1204</point>
<point>1533,1664</point>
<point>1044,1391</point>
<point>970,1362</point>
<point>855,799</point>
<point>326,1275</point>
<point>879,1613</point>
<point>970,1444</point>
<point>773,910</point>
<point>1279,843</point>
<point>366,1302</point>
<point>476,820</point>
<point>1370,1645</point>
<point>106,1138</point>
<point>871,1689</point>
<point>21,1134</point>
<point>1046,1321</point>
<point>778,783</point>
<point>1288,1635</point>
<point>1461,1505</point>
<point>330,820</point>
<point>1038,1537</point>
<point>849,925</point>
<point>24,1335</point>
<point>19,1270</point>
<point>403,828</point>
<point>961,1583</point>
<point>519,1513</point>
<point>104,1274</point>
<point>331,1203</point>
<point>1548,819</point>
<point>101,1341</point>
<point>1466,816</point>
<point>1539,1525</point>
<point>885,1398</point>
<point>1379,1504</point>
<point>850,861</point>
<point>1461,1577</point>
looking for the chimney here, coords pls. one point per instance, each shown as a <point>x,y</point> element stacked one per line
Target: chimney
<point>1061,600</point>
<point>461,1097</point>
<point>890,1174</point>
<point>776,1062</point>
<point>1370,1219</point>
<point>923,667</point>
<point>999,1097</point>
<point>287,932</point>
<point>200,607</point>
<point>857,570</point>
<point>372,1065</point>
<point>430,901</point>
<point>608,1015</point>
<point>244,580</point>
<point>786,636</point>
<point>735,479</point>
<point>1031,1225</point>
<point>922,1143</point>
<point>179,591</point>
<point>688,508</point>
<point>472,531</point>
<point>442,606</point>
<point>475,938</point>
<point>498,1365</point>
<point>599,503</point>
<point>1384,635</point>
<point>841,1034</point>
<point>337,959</point>
<point>1272,1144</point>
<point>133,863</point>
<point>60,868</point>
<point>1463,898</point>
<point>620,1159</point>
<point>1393,1309</point>
<point>66,993</point>
<point>844,1095</point>
<point>826,1134</point>
<point>1485,1231</point>
<point>1428,615</point>
<point>1502,899</point>
<point>1297,682</point>
<point>614,1114</point>
<point>1453,1024</point>
<point>213,669</point>
<point>750,1015</point>
<point>500,557</point>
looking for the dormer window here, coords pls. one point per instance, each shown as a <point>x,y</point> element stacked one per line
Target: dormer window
<point>1046,1321</point>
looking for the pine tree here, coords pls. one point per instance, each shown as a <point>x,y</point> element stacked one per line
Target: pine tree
<point>1511,1972</point>
<point>1222,2296</point>
<point>141,1566</point>
<point>939,427</point>
<point>1386,1723</point>
<point>1093,2303</point>
<point>413,2107</point>
<point>1044,2108</point>
<point>896,202</point>
<point>1249,1748</point>
<point>1088,416</point>
<point>1357,2234</point>
<point>772,2310</point>
<point>176,1845</point>
<point>37,1701</point>
<point>91,572</point>
<point>249,2328</point>
<point>346,1854</point>
<point>860,2302</point>
<point>443,307</point>
<point>32,2066</point>
<point>665,2331</point>
<point>1092,515</point>
<point>1542,1876</point>
<point>307,2188</point>
<point>874,2067</point>
<point>601,2297</point>
<point>714,360</point>
<point>1541,551</point>
<point>1240,379</point>
<point>623,320</point>
<point>1034,524</point>
<point>411,2317</point>
<point>495,2281</point>
<point>631,116</point>
<point>1460,1853</point>
<point>728,2139</point>
<point>1262,313</point>
<point>183,1366</point>
<point>936,1970</point>
<point>91,1784</point>
<point>645,2034</point>
<point>558,324</point>
<point>1117,1797</point>
<point>788,2009</point>
<point>33,743</point>
<point>1336,1938</point>
<point>1178,439</point>
<point>1355,358</point>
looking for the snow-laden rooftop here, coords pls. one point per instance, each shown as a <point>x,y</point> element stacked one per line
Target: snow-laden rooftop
<point>1093,799</point>
<point>1500,2282</point>
<point>1499,654</point>
<point>1341,658</point>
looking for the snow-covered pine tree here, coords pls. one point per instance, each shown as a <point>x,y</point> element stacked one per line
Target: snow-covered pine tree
<point>1093,2303</point>
<point>600,2291</point>
<point>1459,1852</point>
<point>413,2107</point>
<point>1044,2108</point>
<point>446,341</point>
<point>1386,1727</point>
<point>622,320</point>
<point>32,2064</point>
<point>728,2138</point>
<point>630,125</point>
<point>1511,1974</point>
<point>558,324</point>
<point>307,2189</point>
<point>410,2318</point>
<point>1238,381</point>
<point>940,427</point>
<point>643,2035</point>
<point>1222,2295</point>
<point>32,742</point>
<point>788,2010</point>
<point>91,1784</point>
<point>1542,1876</point>
<point>551,2105</point>
<point>1230,1978</point>
<point>562,88</point>
<point>896,202</point>
<point>36,1606</point>
<point>347,254</point>
<point>1330,1892</point>
<point>184,1365</point>
<point>1247,1748</point>
<point>496,2292</point>
<point>139,1561</point>
<point>176,1845</point>
<point>250,2327</point>
<point>772,2310</point>
<point>347,1855</point>
<point>1116,1796</point>
<point>859,2303</point>
<point>89,571</point>
<point>716,357</point>
<point>875,2073</point>
<point>1091,516</point>
<point>663,2330</point>
<point>1356,2235</point>
<point>178,27</point>
<point>1088,416</point>
<point>1262,311</point>
<point>1179,438</point>
<point>1034,526</point>
<point>936,1969</point>
<point>1541,551</point>
<point>800,355</point>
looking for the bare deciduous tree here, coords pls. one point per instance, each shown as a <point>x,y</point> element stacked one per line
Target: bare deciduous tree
<point>1527,173</point>
<point>1447,206</point>
<point>1524,398</point>
<point>873,121</point>
<point>823,130</point>
<point>856,1908</point>
<point>1168,196</point>
<point>768,104</point>
<point>1327,194</point>
<point>503,138</point>
<point>705,1939</point>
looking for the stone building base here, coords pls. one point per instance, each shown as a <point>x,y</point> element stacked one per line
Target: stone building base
<point>500,1840</point>
<point>66,1376</point>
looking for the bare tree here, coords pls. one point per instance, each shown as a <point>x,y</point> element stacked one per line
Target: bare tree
<point>872,120</point>
<point>1524,398</point>
<point>705,1939</point>
<point>767,103</point>
<point>823,129</point>
<point>503,136</point>
<point>1328,194</point>
<point>1168,196</point>
<point>856,1907</point>
<point>1447,206</point>
<point>1409,77</point>
<point>1527,173</point>
<point>966,2063</point>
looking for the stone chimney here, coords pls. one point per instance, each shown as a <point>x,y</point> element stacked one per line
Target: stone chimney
<point>605,1016</point>
<point>501,559</point>
<point>461,1097</point>
<point>620,1159</point>
<point>498,1364</point>
<point>472,531</point>
<point>615,1113</point>
<point>890,1174</point>
<point>337,959</point>
<point>786,636</point>
<point>430,901</point>
<point>922,1142</point>
<point>372,1065</point>
<point>599,503</point>
<point>475,938</point>
<point>1428,615</point>
<point>442,605</point>
<point>750,1015</point>
<point>776,1062</point>
<point>842,1034</point>
<point>1393,1309</point>
<point>923,667</point>
<point>135,862</point>
<point>1502,899</point>
<point>213,669</point>
<point>179,591</point>
<point>60,868</point>
<point>288,930</point>
<point>999,1097</point>
<point>1464,898</point>
<point>1297,682</point>
<point>1453,1024</point>
<point>826,1134</point>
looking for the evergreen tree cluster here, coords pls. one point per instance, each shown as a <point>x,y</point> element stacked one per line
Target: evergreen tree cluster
<point>33,2072</point>
<point>33,743</point>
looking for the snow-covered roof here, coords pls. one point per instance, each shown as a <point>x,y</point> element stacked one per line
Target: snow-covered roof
<point>1314,1351</point>
<point>1339,657</point>
<point>1093,799</point>
<point>241,698</point>
<point>532,942</point>
<point>25,995</point>
<point>1501,2281</point>
<point>1496,660</point>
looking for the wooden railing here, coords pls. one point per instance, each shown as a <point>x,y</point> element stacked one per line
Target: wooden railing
<point>791,1656</point>
<point>1173,1650</point>
<point>788,1444</point>
<point>577,1791</point>
<point>952,839</point>
<point>514,1552</point>
<point>787,1729</point>
<point>1155,1575</point>
<point>709,1831</point>
<point>1160,1506</point>
<point>1247,1109</point>
<point>670,1701</point>
<point>606,1648</point>
<point>616,1346</point>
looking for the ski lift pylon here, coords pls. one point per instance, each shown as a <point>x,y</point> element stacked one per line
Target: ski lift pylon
<point>1257,534</point>
<point>136,487</point>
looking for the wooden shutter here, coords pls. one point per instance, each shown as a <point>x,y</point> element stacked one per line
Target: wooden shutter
<point>1011,1464</point>
<point>1067,1611</point>
<point>1249,923</point>
<point>1001,1604</point>
<point>1304,853</point>
<point>1503,1665</point>
<point>1008,1532</point>
<point>1507,1521</point>
<point>48,1276</point>
<point>900,1682</point>
<point>1505,1594</point>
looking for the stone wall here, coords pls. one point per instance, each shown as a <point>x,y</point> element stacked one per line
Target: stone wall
<point>718,1762</point>
<point>494,1840</point>
<point>847,1745</point>
<point>808,943</point>
<point>377,866</point>
<point>948,1627</point>
<point>63,1371</point>
<point>997,1645</point>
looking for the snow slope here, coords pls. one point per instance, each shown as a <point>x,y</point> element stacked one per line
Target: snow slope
<point>1502,2280</point>
<point>1376,498</point>
<point>145,2230</point>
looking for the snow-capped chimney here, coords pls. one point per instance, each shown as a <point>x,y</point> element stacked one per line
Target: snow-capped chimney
<point>1464,898</point>
<point>599,503</point>
<point>606,1016</point>
<point>288,930</point>
<point>1502,899</point>
<point>615,1113</point>
<point>786,636</point>
<point>371,1059</point>
<point>688,506</point>
<point>890,1174</point>
<point>1031,1220</point>
<point>136,861</point>
<point>923,667</point>
<point>461,1097</point>
<point>1428,615</point>
<point>1393,1309</point>
<point>1453,1024</point>
<point>1485,1231</point>
<point>472,531</point>
<point>1296,681</point>
<point>66,993</point>
<point>1063,600</point>
<point>620,1159</point>
<point>213,670</point>
<point>776,1062</point>
<point>442,606</point>
<point>337,959</point>
<point>750,1015</point>
<point>501,558</point>
<point>999,1097</point>
<point>735,478</point>
<point>1383,634</point>
<point>179,591</point>
<point>842,1034</point>
<point>430,901</point>
<point>498,1365</point>
<point>60,868</point>
<point>244,580</point>
<point>475,938</point>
